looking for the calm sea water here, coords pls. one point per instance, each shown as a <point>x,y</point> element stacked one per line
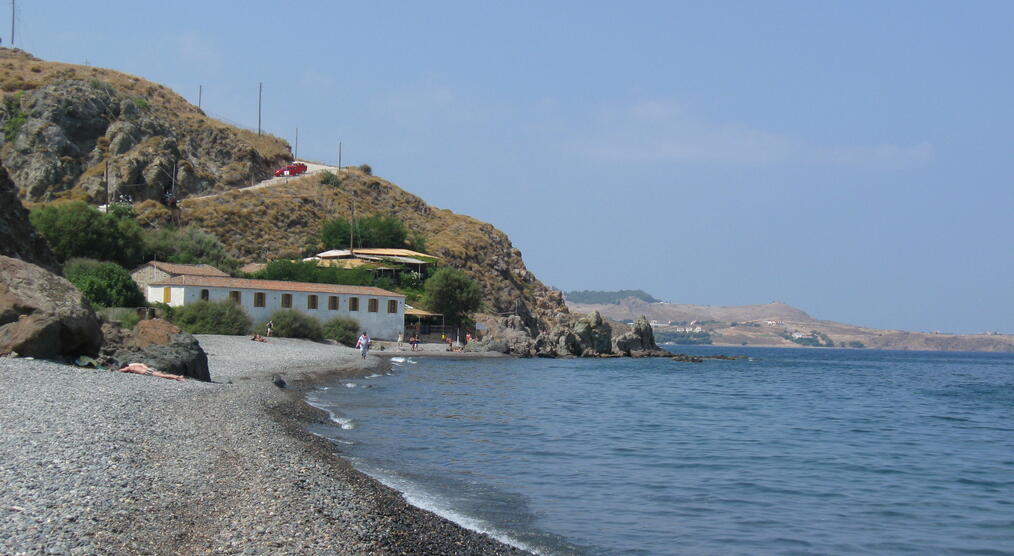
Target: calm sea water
<point>790,452</point>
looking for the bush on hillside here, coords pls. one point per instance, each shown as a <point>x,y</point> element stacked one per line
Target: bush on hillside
<point>103,284</point>
<point>372,231</point>
<point>309,271</point>
<point>289,323</point>
<point>212,317</point>
<point>343,330</point>
<point>366,169</point>
<point>187,245</point>
<point>329,178</point>
<point>76,229</point>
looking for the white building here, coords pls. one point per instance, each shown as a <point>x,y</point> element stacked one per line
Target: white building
<point>380,312</point>
<point>153,271</point>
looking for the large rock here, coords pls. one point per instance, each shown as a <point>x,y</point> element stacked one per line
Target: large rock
<point>43,315</point>
<point>639,342</point>
<point>18,239</point>
<point>163,346</point>
<point>593,335</point>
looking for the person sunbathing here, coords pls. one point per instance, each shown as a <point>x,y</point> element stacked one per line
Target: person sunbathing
<point>258,338</point>
<point>142,369</point>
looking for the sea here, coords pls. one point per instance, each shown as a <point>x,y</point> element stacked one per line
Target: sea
<point>786,451</point>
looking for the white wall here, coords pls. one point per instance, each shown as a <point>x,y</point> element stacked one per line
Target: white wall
<point>380,325</point>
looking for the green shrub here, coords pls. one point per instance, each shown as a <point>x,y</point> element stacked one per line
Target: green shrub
<point>329,178</point>
<point>372,231</point>
<point>289,323</point>
<point>343,330</point>
<point>187,245</point>
<point>127,317</point>
<point>141,103</point>
<point>104,284</point>
<point>163,310</point>
<point>76,229</point>
<point>366,169</point>
<point>212,317</point>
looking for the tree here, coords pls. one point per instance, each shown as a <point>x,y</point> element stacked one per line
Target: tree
<point>76,229</point>
<point>289,323</point>
<point>104,284</point>
<point>452,292</point>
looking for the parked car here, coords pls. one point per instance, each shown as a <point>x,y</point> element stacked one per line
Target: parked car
<point>293,169</point>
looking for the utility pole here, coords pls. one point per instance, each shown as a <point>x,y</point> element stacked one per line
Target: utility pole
<point>295,155</point>
<point>260,88</point>
<point>12,23</point>
<point>339,158</point>
<point>200,91</point>
<point>105,178</point>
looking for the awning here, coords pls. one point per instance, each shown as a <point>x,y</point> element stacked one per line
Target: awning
<point>409,310</point>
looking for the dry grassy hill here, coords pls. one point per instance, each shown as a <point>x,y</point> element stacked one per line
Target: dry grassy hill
<point>283,221</point>
<point>62,124</point>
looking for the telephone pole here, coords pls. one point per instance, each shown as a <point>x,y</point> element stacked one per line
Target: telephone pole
<point>260,88</point>
<point>295,155</point>
<point>12,23</point>
<point>200,91</point>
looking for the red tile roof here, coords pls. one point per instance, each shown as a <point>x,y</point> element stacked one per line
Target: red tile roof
<point>273,285</point>
<point>175,268</point>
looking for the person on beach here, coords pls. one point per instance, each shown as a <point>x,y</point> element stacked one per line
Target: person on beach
<point>142,369</point>
<point>258,338</point>
<point>414,342</point>
<point>401,338</point>
<point>270,326</point>
<point>363,343</point>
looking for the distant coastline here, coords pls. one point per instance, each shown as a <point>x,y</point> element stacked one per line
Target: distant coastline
<point>780,325</point>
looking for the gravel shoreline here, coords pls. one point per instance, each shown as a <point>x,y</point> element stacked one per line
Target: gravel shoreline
<point>95,462</point>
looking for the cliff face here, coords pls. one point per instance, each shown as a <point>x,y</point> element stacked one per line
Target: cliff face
<point>18,239</point>
<point>63,124</point>
<point>284,221</point>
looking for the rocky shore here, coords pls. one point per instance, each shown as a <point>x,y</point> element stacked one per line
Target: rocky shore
<point>96,462</point>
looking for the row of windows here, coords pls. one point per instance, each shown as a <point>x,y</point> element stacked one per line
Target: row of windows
<point>260,300</point>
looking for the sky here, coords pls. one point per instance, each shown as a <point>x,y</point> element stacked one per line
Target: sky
<point>853,159</point>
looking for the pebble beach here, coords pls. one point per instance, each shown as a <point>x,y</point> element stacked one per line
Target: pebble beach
<point>98,462</point>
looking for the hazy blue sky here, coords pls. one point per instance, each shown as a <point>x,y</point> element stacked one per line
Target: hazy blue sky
<point>853,159</point>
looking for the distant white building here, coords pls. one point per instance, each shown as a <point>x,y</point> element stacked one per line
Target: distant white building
<point>380,313</point>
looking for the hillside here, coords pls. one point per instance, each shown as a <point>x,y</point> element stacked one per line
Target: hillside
<point>780,325</point>
<point>284,220</point>
<point>596,296</point>
<point>62,124</point>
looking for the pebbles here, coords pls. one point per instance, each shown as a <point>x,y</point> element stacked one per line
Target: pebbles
<point>102,462</point>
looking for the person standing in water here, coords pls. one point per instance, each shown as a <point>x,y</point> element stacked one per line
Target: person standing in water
<point>363,343</point>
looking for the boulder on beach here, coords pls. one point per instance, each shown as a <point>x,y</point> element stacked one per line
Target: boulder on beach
<point>161,345</point>
<point>43,315</point>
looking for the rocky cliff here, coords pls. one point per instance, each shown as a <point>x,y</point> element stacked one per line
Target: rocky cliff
<point>67,127</point>
<point>18,239</point>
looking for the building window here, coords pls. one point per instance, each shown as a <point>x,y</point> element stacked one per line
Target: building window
<point>260,299</point>
<point>167,295</point>
<point>205,295</point>
<point>235,297</point>
<point>311,302</point>
<point>332,303</point>
<point>286,300</point>
<point>392,306</point>
<point>373,305</point>
<point>353,304</point>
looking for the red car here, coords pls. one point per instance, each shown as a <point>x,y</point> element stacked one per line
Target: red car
<point>293,169</point>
